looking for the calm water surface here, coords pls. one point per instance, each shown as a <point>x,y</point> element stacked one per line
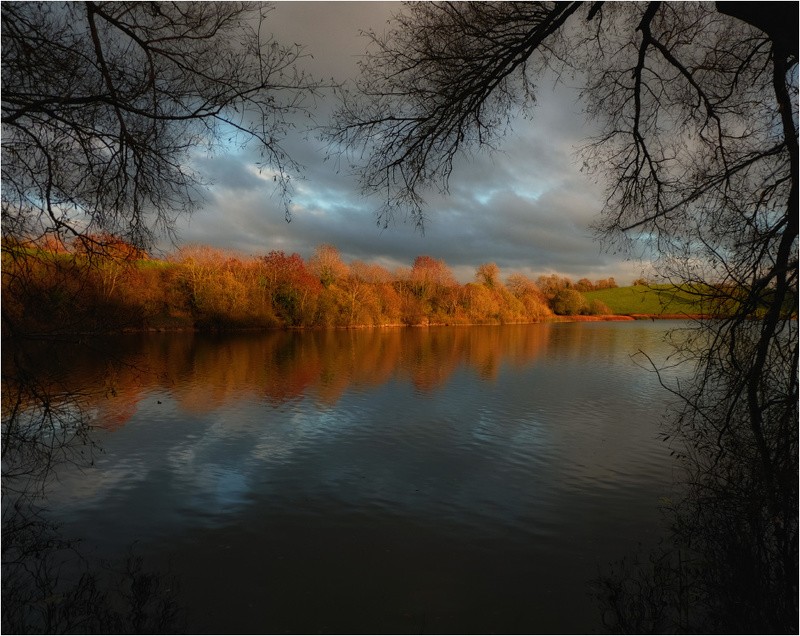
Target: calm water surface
<point>405,480</point>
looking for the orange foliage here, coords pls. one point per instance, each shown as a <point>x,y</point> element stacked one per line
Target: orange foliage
<point>109,246</point>
<point>488,274</point>
<point>327,265</point>
<point>290,287</point>
<point>207,288</point>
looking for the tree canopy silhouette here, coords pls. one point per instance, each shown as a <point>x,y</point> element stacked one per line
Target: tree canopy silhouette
<point>103,104</point>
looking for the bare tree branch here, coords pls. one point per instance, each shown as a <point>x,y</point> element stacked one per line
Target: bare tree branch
<point>104,103</point>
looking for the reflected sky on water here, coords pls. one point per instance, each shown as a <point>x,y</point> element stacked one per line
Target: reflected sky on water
<point>450,479</point>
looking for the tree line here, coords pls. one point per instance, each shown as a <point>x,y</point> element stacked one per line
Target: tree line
<point>53,286</point>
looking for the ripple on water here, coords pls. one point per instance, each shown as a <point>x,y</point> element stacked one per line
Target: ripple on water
<point>531,472</point>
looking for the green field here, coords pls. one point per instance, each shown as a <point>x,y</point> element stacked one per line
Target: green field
<point>653,299</point>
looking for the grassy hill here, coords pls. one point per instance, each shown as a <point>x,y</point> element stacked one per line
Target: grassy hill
<point>653,299</point>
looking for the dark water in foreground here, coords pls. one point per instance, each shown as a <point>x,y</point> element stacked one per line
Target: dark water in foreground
<point>443,480</point>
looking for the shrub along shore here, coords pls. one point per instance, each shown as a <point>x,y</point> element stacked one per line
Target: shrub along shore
<point>106,285</point>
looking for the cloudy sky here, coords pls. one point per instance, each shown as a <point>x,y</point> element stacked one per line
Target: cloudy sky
<point>526,207</point>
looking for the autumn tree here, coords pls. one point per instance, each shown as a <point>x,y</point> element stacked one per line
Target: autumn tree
<point>527,292</point>
<point>568,302</point>
<point>605,283</point>
<point>51,244</point>
<point>696,110</point>
<point>327,264</point>
<point>362,288</point>
<point>107,257</point>
<point>289,286</point>
<point>429,274</point>
<point>584,285</point>
<point>488,274</point>
<point>482,306</point>
<point>552,283</point>
<point>432,283</point>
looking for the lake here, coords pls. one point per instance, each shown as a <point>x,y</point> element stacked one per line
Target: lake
<point>469,479</point>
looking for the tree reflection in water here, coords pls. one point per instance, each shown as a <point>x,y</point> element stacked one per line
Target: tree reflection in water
<point>203,371</point>
<point>730,564</point>
<point>49,585</point>
<point>56,393</point>
<point>721,569</point>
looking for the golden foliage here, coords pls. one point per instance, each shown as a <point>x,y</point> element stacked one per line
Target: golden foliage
<point>47,288</point>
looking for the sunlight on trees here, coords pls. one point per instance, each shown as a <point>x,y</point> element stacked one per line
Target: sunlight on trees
<point>327,265</point>
<point>568,302</point>
<point>69,291</point>
<point>488,274</point>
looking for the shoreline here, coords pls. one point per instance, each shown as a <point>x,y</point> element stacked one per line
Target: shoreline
<point>264,329</point>
<point>629,317</point>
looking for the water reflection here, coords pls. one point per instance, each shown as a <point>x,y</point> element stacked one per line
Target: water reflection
<point>444,479</point>
<point>204,372</point>
<point>49,584</point>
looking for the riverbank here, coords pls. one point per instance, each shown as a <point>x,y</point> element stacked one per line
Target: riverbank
<point>63,334</point>
<point>201,289</point>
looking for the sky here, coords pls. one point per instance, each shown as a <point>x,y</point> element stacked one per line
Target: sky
<point>526,207</point>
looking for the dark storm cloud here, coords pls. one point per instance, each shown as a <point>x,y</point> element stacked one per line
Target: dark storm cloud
<point>526,207</point>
